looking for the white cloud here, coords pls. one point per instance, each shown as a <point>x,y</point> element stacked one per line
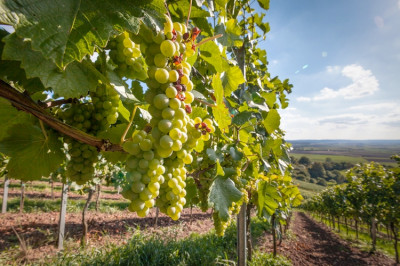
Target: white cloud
<point>364,83</point>
<point>303,99</point>
<point>348,125</point>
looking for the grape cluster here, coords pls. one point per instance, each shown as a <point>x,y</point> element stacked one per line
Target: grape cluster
<point>80,167</point>
<point>126,54</point>
<point>144,173</point>
<point>173,133</point>
<point>90,117</point>
<point>105,101</point>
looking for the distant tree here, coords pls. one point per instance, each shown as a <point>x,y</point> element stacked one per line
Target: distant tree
<point>313,180</point>
<point>328,159</point>
<point>294,160</point>
<point>317,170</point>
<point>322,182</point>
<point>305,161</point>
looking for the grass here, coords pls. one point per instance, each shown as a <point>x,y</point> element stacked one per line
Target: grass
<point>308,190</point>
<point>207,249</point>
<point>364,240</point>
<point>48,205</point>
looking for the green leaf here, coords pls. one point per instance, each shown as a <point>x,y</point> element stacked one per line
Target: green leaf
<point>33,156</point>
<point>213,155</point>
<point>235,154</point>
<point>222,117</point>
<point>270,98</point>
<point>124,92</point>
<point>123,111</point>
<point>241,118</point>
<point>210,53</point>
<point>272,121</point>
<point>75,81</point>
<point>222,193</point>
<point>198,112</point>
<point>64,31</point>
<point>218,89</point>
<point>231,33</point>
<point>220,171</point>
<point>231,79</point>
<point>10,116</point>
<point>264,4</point>
<point>180,9</point>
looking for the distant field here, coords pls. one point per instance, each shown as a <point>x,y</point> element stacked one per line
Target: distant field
<point>347,150</point>
<point>308,190</point>
<point>335,158</point>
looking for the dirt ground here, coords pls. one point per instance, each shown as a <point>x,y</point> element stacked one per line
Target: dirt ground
<point>39,230</point>
<point>314,244</point>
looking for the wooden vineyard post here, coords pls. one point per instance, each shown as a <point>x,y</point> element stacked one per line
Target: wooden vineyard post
<point>241,236</point>
<point>63,211</point>
<point>241,218</point>
<point>5,194</point>
<point>22,200</point>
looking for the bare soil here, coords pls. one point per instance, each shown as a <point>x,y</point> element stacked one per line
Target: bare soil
<point>314,243</point>
<point>39,230</point>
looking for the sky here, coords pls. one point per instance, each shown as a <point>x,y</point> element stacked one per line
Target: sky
<point>343,59</point>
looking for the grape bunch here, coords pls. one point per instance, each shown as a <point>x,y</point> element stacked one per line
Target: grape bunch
<point>173,133</point>
<point>105,101</point>
<point>90,117</point>
<point>144,173</point>
<point>126,54</point>
<point>80,167</point>
<point>172,192</point>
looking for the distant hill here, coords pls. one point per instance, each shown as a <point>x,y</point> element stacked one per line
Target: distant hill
<point>368,150</point>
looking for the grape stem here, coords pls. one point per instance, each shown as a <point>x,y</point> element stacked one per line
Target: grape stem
<point>25,103</point>
<point>43,130</point>
<point>190,10</point>
<point>204,102</point>
<point>209,39</point>
<point>129,125</point>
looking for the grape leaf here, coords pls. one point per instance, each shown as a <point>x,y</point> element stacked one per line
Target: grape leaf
<point>198,112</point>
<point>220,170</point>
<point>272,121</point>
<point>67,30</point>
<point>222,193</point>
<point>64,83</point>
<point>218,89</point>
<point>10,116</point>
<point>235,153</point>
<point>214,156</point>
<point>210,53</point>
<point>231,79</point>
<point>231,33</point>
<point>264,4</point>
<point>180,9</point>
<point>241,118</point>
<point>26,144</point>
<point>222,116</point>
<point>11,71</point>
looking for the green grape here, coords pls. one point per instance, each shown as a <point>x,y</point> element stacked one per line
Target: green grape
<point>168,48</point>
<point>165,125</point>
<point>160,61</point>
<point>161,101</point>
<point>161,75</point>
<point>173,75</point>
<point>166,142</point>
<point>168,113</point>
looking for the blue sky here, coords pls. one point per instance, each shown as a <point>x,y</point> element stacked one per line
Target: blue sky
<point>343,58</point>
